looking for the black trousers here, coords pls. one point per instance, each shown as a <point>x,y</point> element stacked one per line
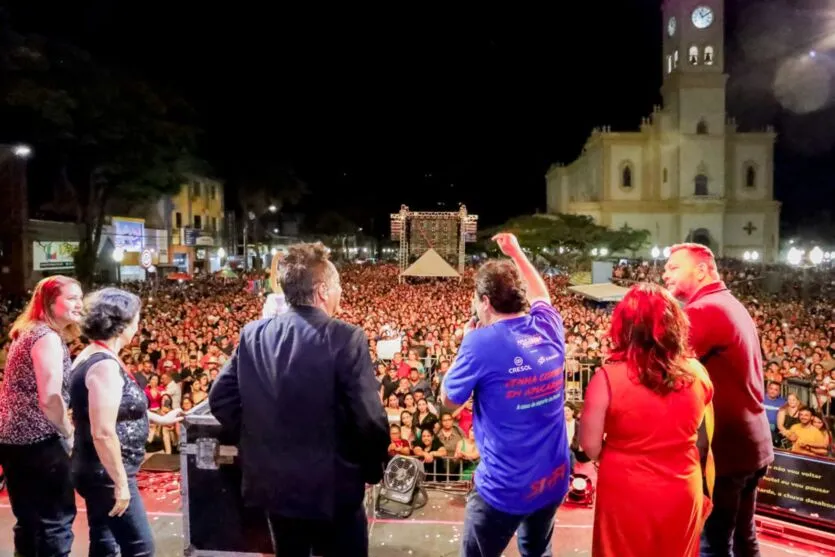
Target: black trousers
<point>345,536</point>
<point>730,530</point>
<point>42,497</point>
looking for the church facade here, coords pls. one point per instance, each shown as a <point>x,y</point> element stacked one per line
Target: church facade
<point>688,174</point>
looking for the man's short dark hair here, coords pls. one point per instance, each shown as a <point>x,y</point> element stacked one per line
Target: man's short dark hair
<point>107,312</point>
<point>500,282</point>
<point>301,270</point>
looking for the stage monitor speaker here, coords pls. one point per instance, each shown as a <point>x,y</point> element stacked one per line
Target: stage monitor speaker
<point>401,493</point>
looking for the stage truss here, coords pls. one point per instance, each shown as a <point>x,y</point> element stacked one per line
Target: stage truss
<point>445,232</point>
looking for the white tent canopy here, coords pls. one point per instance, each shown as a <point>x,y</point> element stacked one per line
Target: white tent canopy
<point>430,264</point>
<point>600,292</point>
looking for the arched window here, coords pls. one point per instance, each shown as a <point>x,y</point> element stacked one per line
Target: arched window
<point>669,63</point>
<point>701,184</point>
<point>708,56</point>
<point>675,58</point>
<point>626,177</point>
<point>693,55</point>
<point>750,176</point>
<point>701,127</point>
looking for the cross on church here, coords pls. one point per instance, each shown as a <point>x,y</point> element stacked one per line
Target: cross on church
<point>749,228</point>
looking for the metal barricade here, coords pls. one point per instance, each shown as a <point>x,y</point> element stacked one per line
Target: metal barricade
<point>577,378</point>
<point>449,474</point>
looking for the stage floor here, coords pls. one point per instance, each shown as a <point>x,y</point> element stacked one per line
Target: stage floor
<point>434,531</point>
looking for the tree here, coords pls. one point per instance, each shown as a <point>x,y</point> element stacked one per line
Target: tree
<point>105,133</point>
<point>263,186</point>
<point>578,233</point>
<point>628,239</point>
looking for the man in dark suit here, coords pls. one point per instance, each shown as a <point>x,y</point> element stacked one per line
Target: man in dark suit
<point>301,392</point>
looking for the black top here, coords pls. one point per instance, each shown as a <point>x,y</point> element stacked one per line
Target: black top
<point>300,393</point>
<point>131,420</point>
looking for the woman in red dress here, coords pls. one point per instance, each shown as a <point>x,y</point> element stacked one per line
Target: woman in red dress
<point>641,417</point>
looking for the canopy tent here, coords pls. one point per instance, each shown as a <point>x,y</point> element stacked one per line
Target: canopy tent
<point>430,264</point>
<point>601,292</point>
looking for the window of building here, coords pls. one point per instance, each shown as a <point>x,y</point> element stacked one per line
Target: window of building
<point>198,222</point>
<point>214,223</point>
<point>701,184</point>
<point>626,177</point>
<point>708,56</point>
<point>664,173</point>
<point>675,58</point>
<point>669,63</point>
<point>701,127</point>
<point>213,191</point>
<point>693,55</point>
<point>178,220</point>
<point>750,176</point>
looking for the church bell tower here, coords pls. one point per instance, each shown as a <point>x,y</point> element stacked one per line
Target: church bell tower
<point>693,89</point>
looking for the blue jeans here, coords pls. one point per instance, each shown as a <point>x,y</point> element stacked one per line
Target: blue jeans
<point>129,534</point>
<point>42,497</point>
<point>730,530</point>
<point>487,530</point>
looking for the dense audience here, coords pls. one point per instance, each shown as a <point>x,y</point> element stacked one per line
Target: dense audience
<point>189,329</point>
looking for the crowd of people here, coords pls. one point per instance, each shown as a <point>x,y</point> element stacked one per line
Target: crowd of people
<point>189,329</point>
<point>173,352</point>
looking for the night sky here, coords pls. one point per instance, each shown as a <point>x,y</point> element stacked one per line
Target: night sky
<point>431,107</point>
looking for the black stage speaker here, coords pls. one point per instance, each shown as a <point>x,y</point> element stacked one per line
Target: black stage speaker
<point>402,491</point>
<point>215,520</point>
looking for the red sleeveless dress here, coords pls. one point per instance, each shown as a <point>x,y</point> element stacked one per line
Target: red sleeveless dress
<point>649,488</point>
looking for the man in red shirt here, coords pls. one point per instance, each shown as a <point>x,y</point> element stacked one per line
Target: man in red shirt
<point>724,338</point>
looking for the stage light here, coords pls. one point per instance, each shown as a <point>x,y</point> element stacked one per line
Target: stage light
<point>580,490</point>
<point>401,493</point>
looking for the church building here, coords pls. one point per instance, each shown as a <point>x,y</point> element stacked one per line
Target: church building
<point>688,174</point>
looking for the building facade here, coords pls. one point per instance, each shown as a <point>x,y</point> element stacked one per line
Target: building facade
<point>196,219</point>
<point>688,173</point>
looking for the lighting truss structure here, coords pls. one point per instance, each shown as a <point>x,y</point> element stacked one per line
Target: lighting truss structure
<point>445,232</point>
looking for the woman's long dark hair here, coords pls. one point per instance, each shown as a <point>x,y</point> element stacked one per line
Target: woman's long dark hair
<point>650,333</point>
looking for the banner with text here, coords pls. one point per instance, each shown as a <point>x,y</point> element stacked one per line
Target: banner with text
<point>50,256</point>
<point>802,485</point>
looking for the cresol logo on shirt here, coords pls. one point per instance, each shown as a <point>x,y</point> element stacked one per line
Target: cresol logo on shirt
<point>520,366</point>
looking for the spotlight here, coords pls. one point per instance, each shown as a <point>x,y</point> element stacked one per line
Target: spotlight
<point>580,491</point>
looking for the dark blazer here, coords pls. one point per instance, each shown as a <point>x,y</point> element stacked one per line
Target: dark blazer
<point>300,392</point>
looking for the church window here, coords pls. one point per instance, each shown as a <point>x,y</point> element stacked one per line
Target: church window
<point>626,177</point>
<point>701,184</point>
<point>669,63</point>
<point>665,175</point>
<point>693,55</point>
<point>750,176</point>
<point>708,56</point>
<point>675,58</point>
<point>701,127</point>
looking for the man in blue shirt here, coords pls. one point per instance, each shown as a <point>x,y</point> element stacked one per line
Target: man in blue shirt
<point>773,402</point>
<point>511,362</point>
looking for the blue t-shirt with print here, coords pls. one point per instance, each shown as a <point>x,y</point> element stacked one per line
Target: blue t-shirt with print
<point>514,368</point>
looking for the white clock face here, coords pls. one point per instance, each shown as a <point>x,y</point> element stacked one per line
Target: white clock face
<point>702,17</point>
<point>671,26</point>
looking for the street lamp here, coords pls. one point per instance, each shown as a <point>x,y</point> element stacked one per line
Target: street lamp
<point>794,256</point>
<point>667,251</point>
<point>755,255</point>
<point>221,253</point>
<point>22,151</point>
<point>746,256</point>
<point>118,256</point>
<point>604,252</point>
<point>656,252</point>
<point>272,208</point>
<point>816,255</point>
